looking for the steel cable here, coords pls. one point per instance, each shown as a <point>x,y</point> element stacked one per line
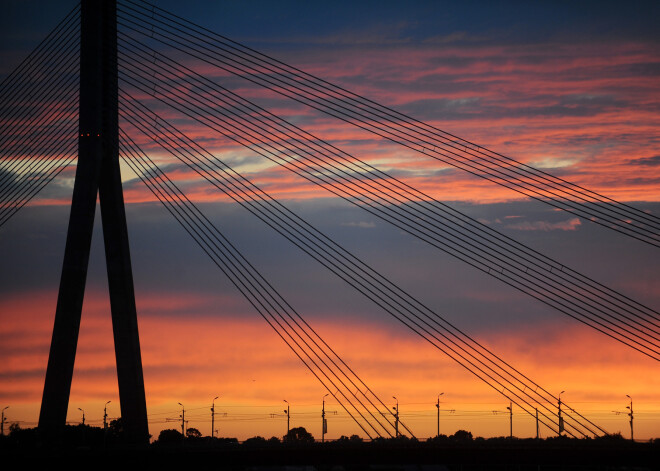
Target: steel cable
<point>33,148</point>
<point>276,303</point>
<point>385,305</point>
<point>278,82</point>
<point>190,98</point>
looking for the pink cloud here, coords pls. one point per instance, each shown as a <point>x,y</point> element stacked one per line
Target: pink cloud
<point>584,108</point>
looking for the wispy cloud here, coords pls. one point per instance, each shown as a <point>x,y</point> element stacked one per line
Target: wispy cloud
<point>567,225</point>
<point>360,224</point>
<point>647,161</point>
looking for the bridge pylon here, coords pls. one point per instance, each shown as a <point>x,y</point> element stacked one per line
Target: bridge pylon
<point>97,172</point>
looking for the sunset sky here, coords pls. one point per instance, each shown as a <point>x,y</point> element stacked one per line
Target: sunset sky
<point>574,90</point>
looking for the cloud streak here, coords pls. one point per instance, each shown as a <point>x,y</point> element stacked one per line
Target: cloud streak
<point>567,225</point>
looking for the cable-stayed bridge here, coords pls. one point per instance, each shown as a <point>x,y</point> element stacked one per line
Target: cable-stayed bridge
<point>94,78</point>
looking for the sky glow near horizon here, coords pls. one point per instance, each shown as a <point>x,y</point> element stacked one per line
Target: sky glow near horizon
<point>578,97</point>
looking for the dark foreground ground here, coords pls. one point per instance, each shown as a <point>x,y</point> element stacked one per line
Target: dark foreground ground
<point>518,455</point>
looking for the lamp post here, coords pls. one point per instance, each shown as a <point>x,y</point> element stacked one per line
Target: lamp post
<point>396,417</point>
<point>83,425</point>
<point>183,420</point>
<point>2,424</point>
<point>537,422</point>
<point>561,419</point>
<point>510,409</point>
<point>288,415</point>
<point>213,415</point>
<point>438,406</point>
<point>105,415</point>
<point>324,423</point>
<point>105,422</point>
<point>630,414</point>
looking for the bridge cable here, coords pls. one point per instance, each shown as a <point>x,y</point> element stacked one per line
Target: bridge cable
<point>36,87</point>
<point>552,265</point>
<point>28,154</point>
<point>32,116</point>
<point>159,131</point>
<point>150,92</point>
<point>147,91</point>
<point>276,81</point>
<point>125,116</point>
<point>66,156</point>
<point>41,96</point>
<point>43,49</point>
<point>29,151</point>
<point>141,171</point>
<point>251,59</point>
<point>240,279</point>
<point>35,152</point>
<point>561,268</point>
<point>338,271</point>
<point>39,167</point>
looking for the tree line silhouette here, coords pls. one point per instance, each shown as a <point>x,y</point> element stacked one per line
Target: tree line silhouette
<point>91,437</point>
<point>108,449</point>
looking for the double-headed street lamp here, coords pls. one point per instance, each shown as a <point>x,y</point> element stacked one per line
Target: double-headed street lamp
<point>630,414</point>
<point>324,423</point>
<point>288,415</point>
<point>561,419</point>
<point>105,415</point>
<point>2,424</point>
<point>213,415</point>
<point>105,422</point>
<point>438,406</point>
<point>183,420</point>
<point>396,417</point>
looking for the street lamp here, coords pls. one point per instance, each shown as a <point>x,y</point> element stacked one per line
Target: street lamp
<point>83,422</point>
<point>105,415</point>
<point>630,414</point>
<point>396,417</point>
<point>213,415</point>
<point>105,422</point>
<point>510,409</point>
<point>324,423</point>
<point>183,420</point>
<point>288,415</point>
<point>2,424</point>
<point>438,406</point>
<point>537,422</point>
<point>561,419</point>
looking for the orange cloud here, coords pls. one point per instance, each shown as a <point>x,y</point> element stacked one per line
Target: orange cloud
<point>191,359</point>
